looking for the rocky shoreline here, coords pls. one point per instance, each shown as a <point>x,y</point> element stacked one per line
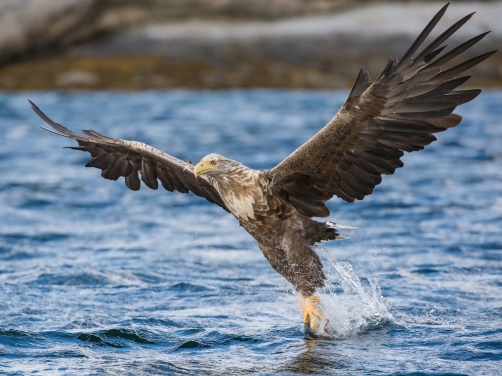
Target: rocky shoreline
<point>319,49</point>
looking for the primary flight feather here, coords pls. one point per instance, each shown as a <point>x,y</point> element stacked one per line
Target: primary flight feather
<point>409,101</point>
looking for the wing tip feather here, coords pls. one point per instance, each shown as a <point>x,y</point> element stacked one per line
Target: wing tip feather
<point>423,35</point>
<point>361,84</point>
<point>55,132</point>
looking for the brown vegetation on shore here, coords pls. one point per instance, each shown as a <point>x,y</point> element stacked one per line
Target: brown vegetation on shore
<point>154,72</point>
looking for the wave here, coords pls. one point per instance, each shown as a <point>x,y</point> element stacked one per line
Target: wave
<point>114,337</point>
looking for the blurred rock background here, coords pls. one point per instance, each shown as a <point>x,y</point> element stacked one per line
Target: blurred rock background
<point>197,44</point>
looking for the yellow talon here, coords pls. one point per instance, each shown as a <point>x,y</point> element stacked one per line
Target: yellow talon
<point>310,312</point>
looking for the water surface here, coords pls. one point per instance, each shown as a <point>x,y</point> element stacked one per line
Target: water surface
<point>97,279</point>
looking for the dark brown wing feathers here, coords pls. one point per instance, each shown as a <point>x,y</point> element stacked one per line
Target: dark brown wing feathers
<point>410,100</point>
<point>134,161</point>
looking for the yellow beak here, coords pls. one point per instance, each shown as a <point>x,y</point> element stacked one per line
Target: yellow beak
<point>202,168</point>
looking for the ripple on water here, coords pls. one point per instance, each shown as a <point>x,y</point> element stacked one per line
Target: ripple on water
<point>187,287</point>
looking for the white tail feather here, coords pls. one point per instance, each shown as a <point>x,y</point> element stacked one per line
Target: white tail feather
<point>338,237</point>
<point>341,227</point>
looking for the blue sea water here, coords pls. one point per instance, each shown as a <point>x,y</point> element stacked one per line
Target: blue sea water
<point>99,280</point>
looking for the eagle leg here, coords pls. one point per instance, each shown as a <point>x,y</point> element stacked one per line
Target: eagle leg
<point>310,311</point>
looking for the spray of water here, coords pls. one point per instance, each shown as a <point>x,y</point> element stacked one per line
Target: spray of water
<point>352,305</point>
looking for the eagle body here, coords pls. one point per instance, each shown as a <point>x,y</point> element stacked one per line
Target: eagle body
<point>400,111</point>
<point>284,234</point>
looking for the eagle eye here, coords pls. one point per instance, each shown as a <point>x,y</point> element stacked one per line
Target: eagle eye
<point>213,162</point>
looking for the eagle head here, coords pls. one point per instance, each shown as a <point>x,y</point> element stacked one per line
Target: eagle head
<point>215,165</point>
<point>234,182</point>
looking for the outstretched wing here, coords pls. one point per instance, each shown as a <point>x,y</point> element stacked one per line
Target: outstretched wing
<point>410,100</point>
<point>116,158</point>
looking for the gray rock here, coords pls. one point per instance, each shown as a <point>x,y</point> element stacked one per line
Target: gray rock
<point>367,35</point>
<point>30,26</point>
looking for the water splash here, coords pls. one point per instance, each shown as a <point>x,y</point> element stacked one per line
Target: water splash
<point>351,304</point>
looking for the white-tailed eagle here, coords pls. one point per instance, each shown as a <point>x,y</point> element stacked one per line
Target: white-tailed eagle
<point>399,111</point>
